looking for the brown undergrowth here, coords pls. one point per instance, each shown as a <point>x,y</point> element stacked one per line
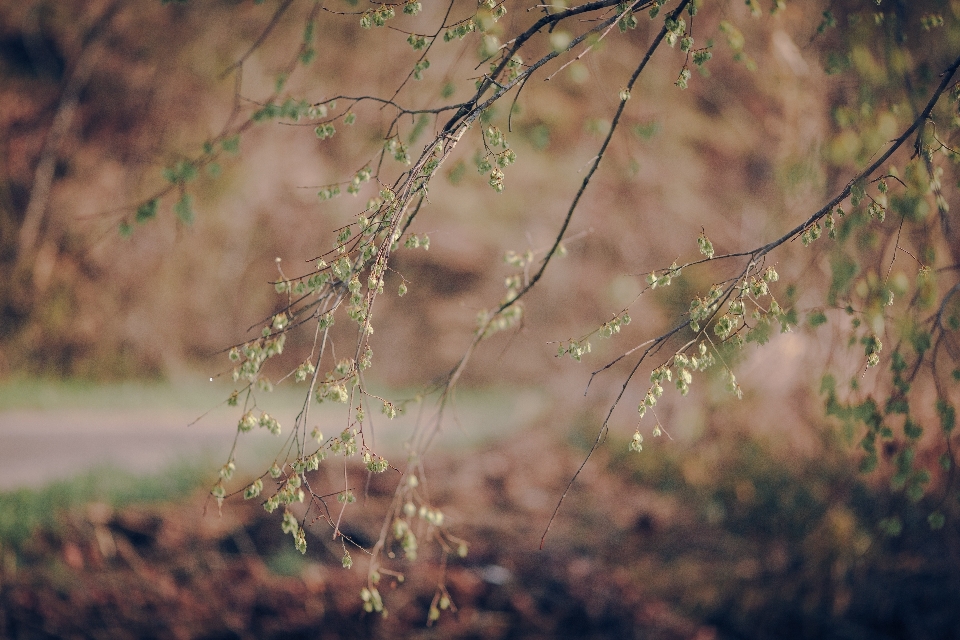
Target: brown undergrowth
<point>644,548</point>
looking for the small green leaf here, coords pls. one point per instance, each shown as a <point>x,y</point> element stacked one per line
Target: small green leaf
<point>891,526</point>
<point>945,461</point>
<point>921,342</point>
<point>912,430</point>
<point>915,492</point>
<point>184,208</point>
<point>230,144</point>
<point>147,210</point>
<point>828,22</point>
<point>948,416</point>
<point>816,318</point>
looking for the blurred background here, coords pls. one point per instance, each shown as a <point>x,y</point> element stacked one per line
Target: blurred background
<point>746,519</point>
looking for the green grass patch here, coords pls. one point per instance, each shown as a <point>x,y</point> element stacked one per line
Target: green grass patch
<point>194,393</point>
<point>24,510</point>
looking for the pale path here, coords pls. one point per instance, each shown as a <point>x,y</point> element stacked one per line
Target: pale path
<point>55,442</point>
<point>38,446</point>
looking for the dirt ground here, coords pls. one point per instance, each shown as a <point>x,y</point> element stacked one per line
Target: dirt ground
<point>640,550</point>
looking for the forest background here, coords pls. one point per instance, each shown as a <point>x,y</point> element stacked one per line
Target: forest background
<point>751,518</point>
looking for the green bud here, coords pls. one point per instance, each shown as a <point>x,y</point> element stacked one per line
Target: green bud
<point>253,490</point>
